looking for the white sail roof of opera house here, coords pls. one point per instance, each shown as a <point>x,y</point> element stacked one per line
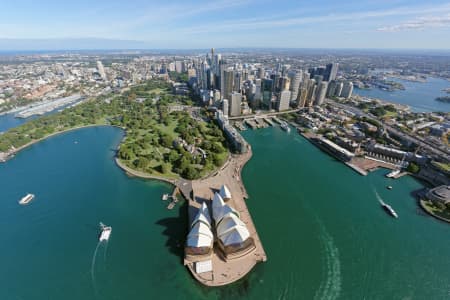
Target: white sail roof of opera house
<point>217,205</point>
<point>200,236</point>
<point>232,230</point>
<point>225,192</point>
<point>220,209</point>
<point>202,216</point>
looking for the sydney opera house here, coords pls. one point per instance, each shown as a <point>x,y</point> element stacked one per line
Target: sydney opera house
<point>226,230</point>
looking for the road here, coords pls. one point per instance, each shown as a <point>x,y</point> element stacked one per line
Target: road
<point>431,148</point>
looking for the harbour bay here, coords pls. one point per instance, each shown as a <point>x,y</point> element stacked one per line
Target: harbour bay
<point>321,224</point>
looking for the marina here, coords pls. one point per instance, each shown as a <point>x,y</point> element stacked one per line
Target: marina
<point>43,107</point>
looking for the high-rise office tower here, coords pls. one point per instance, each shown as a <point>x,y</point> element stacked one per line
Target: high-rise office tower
<point>284,98</point>
<point>318,79</point>
<point>296,79</point>
<point>179,66</point>
<point>330,72</point>
<point>338,89</point>
<point>235,104</point>
<point>267,90</point>
<point>347,90</point>
<point>284,83</point>
<point>237,81</point>
<point>101,70</point>
<point>256,103</point>
<point>321,93</point>
<point>331,88</point>
<point>225,107</point>
<point>261,73</point>
<point>311,93</point>
<point>228,83</point>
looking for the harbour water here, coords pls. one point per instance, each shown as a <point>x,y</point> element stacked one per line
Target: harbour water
<point>324,232</point>
<point>420,96</point>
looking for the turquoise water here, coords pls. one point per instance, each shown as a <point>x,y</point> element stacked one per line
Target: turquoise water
<point>419,96</point>
<point>323,230</point>
<point>8,121</point>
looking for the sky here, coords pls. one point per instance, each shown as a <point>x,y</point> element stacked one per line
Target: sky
<point>195,24</point>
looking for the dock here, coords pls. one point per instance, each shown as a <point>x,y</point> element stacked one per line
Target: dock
<point>260,123</point>
<point>268,121</point>
<point>251,123</point>
<point>225,271</point>
<point>276,120</point>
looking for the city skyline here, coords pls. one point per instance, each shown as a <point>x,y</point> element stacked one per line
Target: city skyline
<point>371,24</point>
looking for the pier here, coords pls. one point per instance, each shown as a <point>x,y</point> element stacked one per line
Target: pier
<point>268,121</point>
<point>221,270</point>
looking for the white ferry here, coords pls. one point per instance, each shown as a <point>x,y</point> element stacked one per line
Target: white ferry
<point>285,126</point>
<point>393,174</point>
<point>27,199</point>
<point>106,232</point>
<point>389,209</point>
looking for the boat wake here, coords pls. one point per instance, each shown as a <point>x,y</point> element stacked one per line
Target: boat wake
<point>330,289</point>
<point>94,257</point>
<point>378,197</point>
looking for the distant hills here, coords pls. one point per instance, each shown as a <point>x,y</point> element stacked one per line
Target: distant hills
<point>69,44</point>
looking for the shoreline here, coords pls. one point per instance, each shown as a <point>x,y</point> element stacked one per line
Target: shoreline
<point>5,156</point>
<point>431,213</point>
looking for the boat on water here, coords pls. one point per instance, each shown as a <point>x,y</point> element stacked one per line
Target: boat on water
<point>389,209</point>
<point>393,174</point>
<point>285,126</point>
<point>105,233</point>
<point>27,199</point>
<point>389,187</point>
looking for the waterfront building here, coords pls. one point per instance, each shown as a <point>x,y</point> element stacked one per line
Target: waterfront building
<point>335,149</point>
<point>347,89</point>
<point>284,98</point>
<point>225,107</point>
<point>233,236</point>
<point>440,194</point>
<point>237,142</point>
<point>235,104</point>
<point>200,238</point>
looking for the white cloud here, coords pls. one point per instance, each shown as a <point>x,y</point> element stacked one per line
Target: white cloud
<point>419,24</point>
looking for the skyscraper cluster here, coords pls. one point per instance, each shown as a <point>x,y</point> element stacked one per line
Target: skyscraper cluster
<point>237,87</point>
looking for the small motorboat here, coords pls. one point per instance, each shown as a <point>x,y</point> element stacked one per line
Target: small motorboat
<point>389,187</point>
<point>27,199</point>
<point>105,233</point>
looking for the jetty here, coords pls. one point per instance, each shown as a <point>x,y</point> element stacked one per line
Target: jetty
<point>251,123</point>
<point>214,268</point>
<point>276,120</point>
<point>269,121</point>
<point>260,123</point>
